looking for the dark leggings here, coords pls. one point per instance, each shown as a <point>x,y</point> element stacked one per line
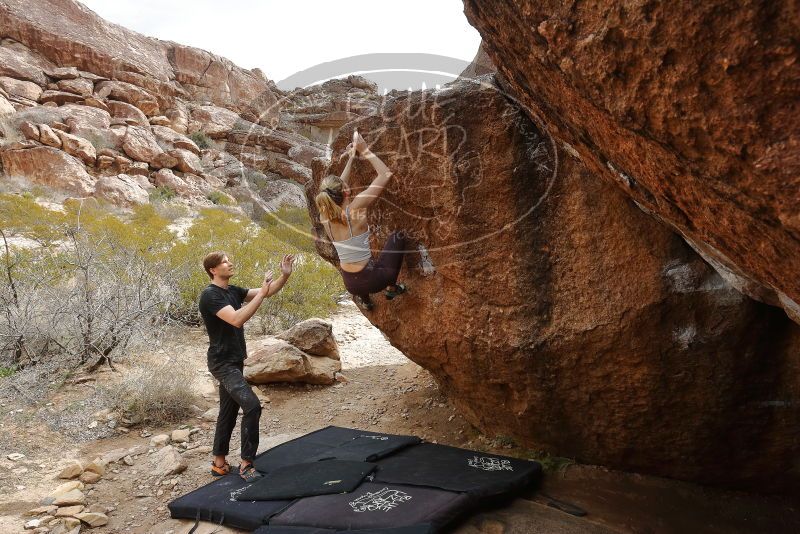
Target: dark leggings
<point>235,392</point>
<point>380,273</point>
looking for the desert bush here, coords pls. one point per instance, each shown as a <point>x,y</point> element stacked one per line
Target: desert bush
<point>96,286</point>
<point>201,140</point>
<point>154,394</point>
<point>292,226</point>
<point>220,198</point>
<point>310,292</point>
<point>99,285</point>
<point>162,193</point>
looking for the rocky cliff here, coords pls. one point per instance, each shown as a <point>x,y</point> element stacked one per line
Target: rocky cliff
<point>691,108</point>
<point>90,108</point>
<point>557,312</point>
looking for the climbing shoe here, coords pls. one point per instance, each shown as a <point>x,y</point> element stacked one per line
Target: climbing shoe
<point>218,471</point>
<point>399,290</point>
<point>249,473</point>
<point>364,302</point>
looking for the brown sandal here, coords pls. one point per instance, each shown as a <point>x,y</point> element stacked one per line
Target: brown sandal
<point>218,471</point>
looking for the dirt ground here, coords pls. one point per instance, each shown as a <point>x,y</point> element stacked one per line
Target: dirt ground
<point>383,392</point>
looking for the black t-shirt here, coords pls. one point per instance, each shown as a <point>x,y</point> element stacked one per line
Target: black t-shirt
<point>226,341</point>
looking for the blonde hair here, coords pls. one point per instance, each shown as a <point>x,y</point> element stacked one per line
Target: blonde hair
<point>330,197</point>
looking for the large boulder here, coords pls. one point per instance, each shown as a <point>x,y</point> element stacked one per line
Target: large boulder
<point>78,147</point>
<point>121,190</point>
<point>50,167</point>
<point>20,67</point>
<point>214,121</point>
<point>170,137</point>
<point>21,88</point>
<point>276,360</point>
<point>6,108</point>
<point>140,145</point>
<point>127,92</point>
<point>127,112</point>
<point>555,311</point>
<point>313,336</point>
<point>690,108</point>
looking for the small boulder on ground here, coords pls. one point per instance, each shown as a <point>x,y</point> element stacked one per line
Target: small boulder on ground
<point>168,461</point>
<point>72,470</point>
<point>70,498</point>
<point>181,435</point>
<point>159,440</point>
<point>313,336</point>
<point>93,519</point>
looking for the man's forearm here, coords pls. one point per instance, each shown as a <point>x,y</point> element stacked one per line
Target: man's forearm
<point>276,285</point>
<point>248,310</point>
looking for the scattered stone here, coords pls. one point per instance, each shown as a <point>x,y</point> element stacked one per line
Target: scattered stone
<point>181,436</point>
<point>114,456</point>
<point>168,461</point>
<point>32,524</point>
<point>74,469</point>
<point>90,477</point>
<point>96,466</point>
<point>93,519</point>
<point>15,456</point>
<point>70,498</point>
<point>159,441</point>
<point>67,511</point>
<point>128,460</point>
<point>42,510</point>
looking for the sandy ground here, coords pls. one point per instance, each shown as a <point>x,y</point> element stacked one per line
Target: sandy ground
<point>384,392</point>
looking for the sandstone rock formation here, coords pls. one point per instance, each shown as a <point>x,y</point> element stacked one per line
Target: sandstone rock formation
<point>128,113</point>
<point>306,352</point>
<point>690,108</point>
<point>554,311</point>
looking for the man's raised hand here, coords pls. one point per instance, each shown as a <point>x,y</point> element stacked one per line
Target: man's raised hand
<point>287,263</point>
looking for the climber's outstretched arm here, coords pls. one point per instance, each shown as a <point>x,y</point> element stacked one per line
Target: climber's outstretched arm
<point>375,189</point>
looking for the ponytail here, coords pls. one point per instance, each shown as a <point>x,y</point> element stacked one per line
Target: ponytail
<point>330,197</point>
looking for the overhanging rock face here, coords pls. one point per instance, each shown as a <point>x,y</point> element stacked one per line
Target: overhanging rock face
<point>690,107</point>
<point>555,311</point>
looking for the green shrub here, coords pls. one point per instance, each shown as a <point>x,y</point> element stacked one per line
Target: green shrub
<point>201,140</point>
<point>7,371</point>
<point>310,292</point>
<point>162,193</point>
<point>100,284</point>
<point>291,225</point>
<point>219,198</point>
<point>154,394</point>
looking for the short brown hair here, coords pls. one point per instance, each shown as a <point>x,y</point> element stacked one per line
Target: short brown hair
<point>211,260</point>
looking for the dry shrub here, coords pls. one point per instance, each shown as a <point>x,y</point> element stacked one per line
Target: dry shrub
<point>154,394</point>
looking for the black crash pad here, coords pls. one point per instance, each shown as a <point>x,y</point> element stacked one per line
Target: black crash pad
<point>374,506</point>
<point>308,479</point>
<point>216,502</point>
<point>450,468</point>
<point>333,443</point>
<point>413,529</point>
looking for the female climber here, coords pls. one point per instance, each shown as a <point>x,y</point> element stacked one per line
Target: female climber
<point>344,216</point>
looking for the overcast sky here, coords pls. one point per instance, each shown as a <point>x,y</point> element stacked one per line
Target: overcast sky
<point>288,36</point>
